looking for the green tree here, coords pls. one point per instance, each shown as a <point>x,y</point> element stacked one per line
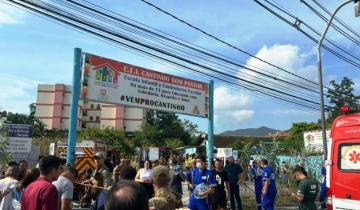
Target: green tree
<point>162,126</point>
<point>16,118</point>
<point>173,143</point>
<point>4,155</point>
<point>245,148</point>
<point>113,138</point>
<point>341,95</point>
<point>294,143</point>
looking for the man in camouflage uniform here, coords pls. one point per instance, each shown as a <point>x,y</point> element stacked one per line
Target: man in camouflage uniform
<point>101,181</point>
<point>164,199</point>
<point>118,168</point>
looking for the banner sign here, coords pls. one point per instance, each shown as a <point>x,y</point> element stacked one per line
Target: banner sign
<point>109,81</point>
<point>313,141</point>
<point>224,152</point>
<point>20,138</point>
<point>153,153</point>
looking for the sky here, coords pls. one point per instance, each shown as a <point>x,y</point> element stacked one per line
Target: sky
<point>36,51</point>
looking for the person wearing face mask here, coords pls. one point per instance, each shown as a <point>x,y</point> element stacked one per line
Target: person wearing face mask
<point>204,182</point>
<point>235,172</point>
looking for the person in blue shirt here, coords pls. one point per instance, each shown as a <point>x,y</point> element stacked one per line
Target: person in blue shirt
<point>190,175</point>
<point>204,184</point>
<point>322,196</point>
<point>269,187</point>
<point>257,172</point>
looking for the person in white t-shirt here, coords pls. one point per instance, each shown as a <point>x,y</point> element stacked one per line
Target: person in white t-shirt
<point>8,187</point>
<point>65,187</point>
<point>144,177</point>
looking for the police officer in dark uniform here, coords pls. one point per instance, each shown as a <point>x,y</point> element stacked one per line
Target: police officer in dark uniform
<point>234,172</point>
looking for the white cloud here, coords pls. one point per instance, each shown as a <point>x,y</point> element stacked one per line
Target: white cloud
<point>17,93</point>
<point>242,116</point>
<point>226,100</point>
<point>231,109</point>
<point>288,57</point>
<point>10,14</point>
<point>293,112</point>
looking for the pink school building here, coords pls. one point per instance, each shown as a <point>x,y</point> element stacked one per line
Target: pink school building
<point>53,108</point>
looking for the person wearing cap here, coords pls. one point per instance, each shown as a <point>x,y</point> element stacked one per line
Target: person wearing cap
<point>164,199</point>
<point>101,180</point>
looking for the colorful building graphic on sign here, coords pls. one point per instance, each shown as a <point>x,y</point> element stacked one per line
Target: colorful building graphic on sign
<point>105,73</point>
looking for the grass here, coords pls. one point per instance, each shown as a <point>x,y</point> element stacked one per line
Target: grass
<point>282,198</point>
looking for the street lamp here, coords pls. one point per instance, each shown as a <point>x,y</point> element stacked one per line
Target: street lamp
<point>323,124</point>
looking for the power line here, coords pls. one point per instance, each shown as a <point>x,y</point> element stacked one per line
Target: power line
<point>212,61</point>
<point>337,19</point>
<point>218,39</point>
<point>226,43</point>
<point>338,29</point>
<point>297,24</point>
<point>197,50</point>
<point>100,29</point>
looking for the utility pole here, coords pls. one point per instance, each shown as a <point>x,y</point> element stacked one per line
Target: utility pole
<point>323,124</point>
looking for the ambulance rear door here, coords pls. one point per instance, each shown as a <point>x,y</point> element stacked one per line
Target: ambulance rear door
<point>345,174</point>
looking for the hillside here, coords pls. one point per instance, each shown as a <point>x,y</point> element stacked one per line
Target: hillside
<point>261,131</point>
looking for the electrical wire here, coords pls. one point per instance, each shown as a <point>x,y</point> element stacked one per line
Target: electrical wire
<point>122,43</point>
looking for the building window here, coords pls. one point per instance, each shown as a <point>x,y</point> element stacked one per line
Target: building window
<point>98,106</point>
<point>83,125</point>
<point>97,119</point>
<point>84,113</point>
<point>92,106</point>
<point>91,118</point>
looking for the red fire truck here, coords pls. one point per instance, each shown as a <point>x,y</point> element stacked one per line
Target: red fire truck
<point>343,167</point>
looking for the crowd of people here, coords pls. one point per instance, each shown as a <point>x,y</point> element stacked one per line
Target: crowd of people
<point>157,186</point>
